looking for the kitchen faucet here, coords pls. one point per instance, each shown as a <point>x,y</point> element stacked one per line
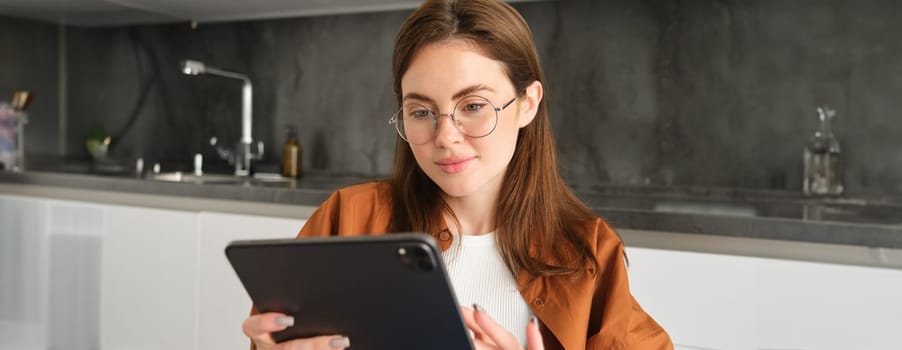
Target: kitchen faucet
<point>242,155</point>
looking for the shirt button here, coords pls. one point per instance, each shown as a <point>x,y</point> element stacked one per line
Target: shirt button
<point>539,302</point>
<point>444,235</point>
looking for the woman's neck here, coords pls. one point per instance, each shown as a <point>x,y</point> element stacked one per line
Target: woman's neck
<point>475,213</point>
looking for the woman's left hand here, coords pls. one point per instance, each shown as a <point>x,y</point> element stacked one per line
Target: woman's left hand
<point>489,335</point>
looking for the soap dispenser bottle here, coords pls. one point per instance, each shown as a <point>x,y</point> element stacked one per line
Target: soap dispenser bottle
<point>291,154</point>
<point>822,171</point>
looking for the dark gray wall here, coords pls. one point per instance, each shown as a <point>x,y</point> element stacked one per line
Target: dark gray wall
<point>739,81</point>
<point>712,93</point>
<point>330,76</point>
<point>29,60</point>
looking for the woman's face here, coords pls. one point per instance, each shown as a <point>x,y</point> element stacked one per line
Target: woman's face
<point>439,76</point>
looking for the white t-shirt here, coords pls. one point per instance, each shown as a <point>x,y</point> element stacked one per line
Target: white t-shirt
<point>479,275</point>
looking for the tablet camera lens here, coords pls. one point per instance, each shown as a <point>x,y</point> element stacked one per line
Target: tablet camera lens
<point>416,257</point>
<point>424,259</point>
<point>426,264</point>
<point>419,252</point>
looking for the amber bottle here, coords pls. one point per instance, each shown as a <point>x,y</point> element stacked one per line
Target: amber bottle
<point>291,154</point>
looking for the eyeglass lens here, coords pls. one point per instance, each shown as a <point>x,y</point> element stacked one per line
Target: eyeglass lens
<point>473,116</point>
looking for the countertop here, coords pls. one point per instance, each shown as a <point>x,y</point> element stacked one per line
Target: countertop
<point>773,215</point>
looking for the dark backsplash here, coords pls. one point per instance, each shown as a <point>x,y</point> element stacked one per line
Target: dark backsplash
<point>29,60</point>
<point>710,93</point>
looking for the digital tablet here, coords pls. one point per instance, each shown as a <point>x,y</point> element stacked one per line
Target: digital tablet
<point>383,292</point>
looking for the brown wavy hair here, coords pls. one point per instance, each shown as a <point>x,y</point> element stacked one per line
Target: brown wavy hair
<point>535,204</point>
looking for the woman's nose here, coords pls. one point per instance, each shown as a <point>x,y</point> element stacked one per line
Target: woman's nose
<point>446,129</point>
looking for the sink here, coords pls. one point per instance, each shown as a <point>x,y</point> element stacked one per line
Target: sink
<point>224,179</point>
<point>179,176</point>
<point>311,181</point>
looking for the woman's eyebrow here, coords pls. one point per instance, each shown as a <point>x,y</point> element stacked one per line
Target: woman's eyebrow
<point>463,92</point>
<point>471,89</point>
<point>416,96</point>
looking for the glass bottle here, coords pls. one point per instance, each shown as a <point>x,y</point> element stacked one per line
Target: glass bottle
<point>822,171</point>
<point>291,154</point>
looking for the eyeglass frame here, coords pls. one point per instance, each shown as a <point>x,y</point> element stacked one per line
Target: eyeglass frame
<point>394,118</point>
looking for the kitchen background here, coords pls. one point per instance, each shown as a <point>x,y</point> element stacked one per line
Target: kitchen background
<point>698,93</point>
<point>708,93</point>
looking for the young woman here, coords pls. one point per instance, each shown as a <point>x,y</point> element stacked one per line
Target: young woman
<point>475,167</point>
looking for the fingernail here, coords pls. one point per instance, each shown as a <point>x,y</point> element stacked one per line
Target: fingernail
<point>339,342</point>
<point>476,308</point>
<point>534,320</point>
<point>286,321</point>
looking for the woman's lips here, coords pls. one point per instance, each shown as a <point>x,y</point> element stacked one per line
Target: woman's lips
<point>454,165</point>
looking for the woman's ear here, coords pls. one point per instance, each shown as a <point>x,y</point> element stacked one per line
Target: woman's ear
<point>529,104</point>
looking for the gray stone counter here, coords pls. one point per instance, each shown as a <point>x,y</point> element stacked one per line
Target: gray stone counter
<point>873,222</point>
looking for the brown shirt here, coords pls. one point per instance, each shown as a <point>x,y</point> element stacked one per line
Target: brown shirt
<point>589,312</point>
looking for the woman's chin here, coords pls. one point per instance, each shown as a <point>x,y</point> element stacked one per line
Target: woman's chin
<point>455,189</point>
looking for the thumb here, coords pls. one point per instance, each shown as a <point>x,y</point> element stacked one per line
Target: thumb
<point>533,335</point>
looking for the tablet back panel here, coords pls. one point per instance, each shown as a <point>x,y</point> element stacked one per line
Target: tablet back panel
<point>383,292</point>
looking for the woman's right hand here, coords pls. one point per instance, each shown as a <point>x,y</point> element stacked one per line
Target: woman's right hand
<point>489,335</point>
<point>259,328</point>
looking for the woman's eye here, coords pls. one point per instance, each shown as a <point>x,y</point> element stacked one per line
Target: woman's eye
<point>473,107</point>
<point>419,114</point>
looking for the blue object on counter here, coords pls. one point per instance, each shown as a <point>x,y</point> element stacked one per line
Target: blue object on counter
<point>9,119</point>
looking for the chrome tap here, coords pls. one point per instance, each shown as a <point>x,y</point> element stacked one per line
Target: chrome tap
<point>242,154</point>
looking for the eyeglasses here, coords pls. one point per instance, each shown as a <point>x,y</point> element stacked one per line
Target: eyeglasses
<point>474,116</point>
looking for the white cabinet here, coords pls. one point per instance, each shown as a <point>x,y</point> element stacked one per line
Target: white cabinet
<point>222,302</point>
<point>714,301</point>
<point>74,280</point>
<point>167,283</point>
<point>24,291</point>
<point>49,274</point>
<point>80,276</point>
<point>149,287</point>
